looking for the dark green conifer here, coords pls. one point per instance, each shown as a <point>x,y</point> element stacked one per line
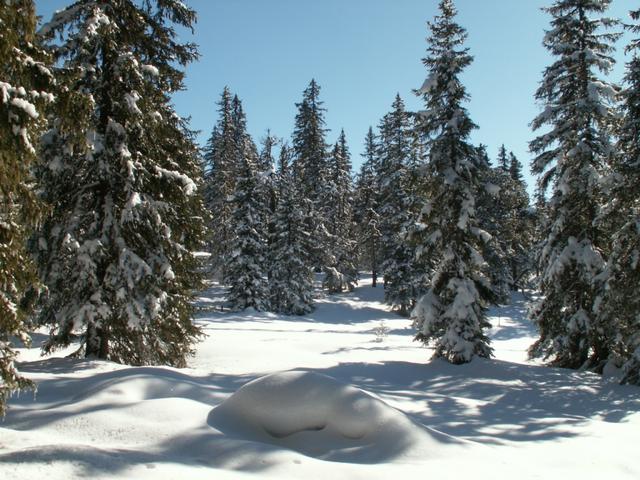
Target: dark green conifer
<point>341,271</point>
<point>220,174</point>
<point>366,217</point>
<point>451,316</point>
<point>572,158</point>
<point>620,304</point>
<point>395,154</point>
<point>290,266</point>
<point>122,172</point>
<point>246,270</point>
<point>25,86</point>
<point>311,168</point>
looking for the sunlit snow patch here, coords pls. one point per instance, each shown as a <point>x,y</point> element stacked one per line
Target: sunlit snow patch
<point>320,417</point>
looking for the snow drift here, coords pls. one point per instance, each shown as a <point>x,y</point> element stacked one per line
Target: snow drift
<point>320,417</point>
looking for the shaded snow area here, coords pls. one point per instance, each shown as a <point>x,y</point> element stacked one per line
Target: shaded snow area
<point>343,393</point>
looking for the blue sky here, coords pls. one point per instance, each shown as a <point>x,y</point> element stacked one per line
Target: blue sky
<point>362,52</point>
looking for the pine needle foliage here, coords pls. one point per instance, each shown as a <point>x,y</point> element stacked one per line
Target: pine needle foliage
<point>25,90</point>
<point>451,316</point>
<point>122,172</point>
<point>572,158</point>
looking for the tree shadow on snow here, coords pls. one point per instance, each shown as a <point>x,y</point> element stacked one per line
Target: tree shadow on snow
<point>89,460</point>
<point>348,311</point>
<point>511,321</point>
<point>75,398</point>
<point>63,398</point>
<point>197,449</point>
<point>494,401</point>
<point>380,347</point>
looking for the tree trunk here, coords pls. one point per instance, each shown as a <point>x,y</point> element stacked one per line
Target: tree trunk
<point>374,265</point>
<point>97,343</point>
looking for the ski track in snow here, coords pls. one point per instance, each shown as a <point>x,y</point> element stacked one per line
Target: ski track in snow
<point>336,403</point>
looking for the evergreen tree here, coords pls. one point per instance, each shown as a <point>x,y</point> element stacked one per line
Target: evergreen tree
<point>341,271</point>
<point>366,217</point>
<point>311,167</point>
<point>247,149</point>
<point>291,272</point>
<point>220,173</point>
<point>572,157</point>
<point>504,162</point>
<point>292,245</point>
<point>245,273</point>
<point>520,225</point>
<point>541,221</point>
<point>266,160</point>
<point>515,169</point>
<point>620,305</point>
<point>24,84</point>
<point>122,173</point>
<point>268,186</point>
<point>284,160</point>
<point>493,211</point>
<point>309,145</point>
<point>420,269</point>
<point>268,178</point>
<point>395,153</point>
<point>452,314</point>
<point>503,211</point>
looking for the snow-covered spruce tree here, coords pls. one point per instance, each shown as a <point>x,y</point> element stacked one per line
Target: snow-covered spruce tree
<point>572,157</point>
<point>122,173</point>
<point>284,161</point>
<point>503,211</point>
<point>492,212</point>
<point>290,267</point>
<point>341,270</point>
<point>503,158</point>
<point>620,307</point>
<point>452,314</point>
<point>245,272</point>
<point>395,153</point>
<point>268,187</point>
<point>515,169</point>
<point>541,221</point>
<point>310,167</point>
<point>220,172</point>
<point>25,84</point>
<point>366,217</point>
<point>266,160</point>
<point>246,266</point>
<point>521,225</point>
<point>246,148</point>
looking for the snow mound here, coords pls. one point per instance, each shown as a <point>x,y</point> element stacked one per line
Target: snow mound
<point>137,384</point>
<point>320,417</point>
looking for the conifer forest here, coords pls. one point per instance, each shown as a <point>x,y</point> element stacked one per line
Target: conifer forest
<point>274,306</point>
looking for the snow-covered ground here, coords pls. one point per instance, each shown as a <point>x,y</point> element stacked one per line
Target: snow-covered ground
<point>321,396</point>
